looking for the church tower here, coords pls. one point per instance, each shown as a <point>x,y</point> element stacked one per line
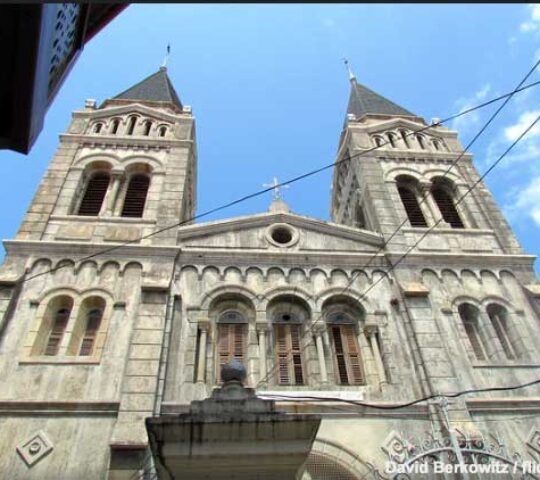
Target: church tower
<point>122,170</point>
<point>404,173</point>
<point>84,286</point>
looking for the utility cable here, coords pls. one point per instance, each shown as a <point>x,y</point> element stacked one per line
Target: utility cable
<point>268,189</point>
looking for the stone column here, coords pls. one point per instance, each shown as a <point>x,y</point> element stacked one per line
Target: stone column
<point>491,341</point>
<point>112,193</point>
<point>204,325</point>
<point>372,377</point>
<point>432,207</point>
<point>318,332</point>
<point>262,329</point>
<point>371,332</point>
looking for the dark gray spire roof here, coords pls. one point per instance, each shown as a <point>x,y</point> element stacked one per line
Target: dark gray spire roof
<point>155,88</point>
<point>362,100</point>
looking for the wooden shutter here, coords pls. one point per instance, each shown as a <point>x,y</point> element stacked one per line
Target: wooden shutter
<point>94,194</point>
<point>92,327</point>
<point>412,207</point>
<point>136,196</point>
<point>57,331</point>
<point>446,206</point>
<point>289,355</point>
<point>231,344</point>
<point>348,360</point>
<point>472,333</point>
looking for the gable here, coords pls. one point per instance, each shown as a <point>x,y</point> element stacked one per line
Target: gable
<point>278,232</point>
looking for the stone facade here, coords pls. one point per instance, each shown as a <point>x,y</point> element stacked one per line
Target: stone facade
<point>317,309</point>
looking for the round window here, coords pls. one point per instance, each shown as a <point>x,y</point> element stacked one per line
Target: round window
<point>282,235</point>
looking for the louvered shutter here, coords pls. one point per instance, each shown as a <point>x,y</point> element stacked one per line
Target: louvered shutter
<point>136,196</point>
<point>94,194</point>
<point>296,354</point>
<point>356,371</point>
<point>446,206</point>
<point>282,348</point>
<point>231,344</point>
<point>472,333</point>
<point>92,327</point>
<point>348,360</point>
<point>57,332</point>
<point>412,207</point>
<point>289,355</point>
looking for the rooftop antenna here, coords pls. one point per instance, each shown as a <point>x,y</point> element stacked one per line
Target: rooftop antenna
<point>352,76</point>
<point>166,59</point>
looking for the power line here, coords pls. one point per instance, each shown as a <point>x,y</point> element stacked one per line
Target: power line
<point>358,403</point>
<point>263,191</point>
<point>353,277</point>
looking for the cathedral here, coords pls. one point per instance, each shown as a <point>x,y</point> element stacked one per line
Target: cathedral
<point>116,308</point>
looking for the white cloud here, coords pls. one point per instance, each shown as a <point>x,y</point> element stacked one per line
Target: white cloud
<point>472,119</point>
<point>512,132</point>
<point>526,202</point>
<point>533,22</point>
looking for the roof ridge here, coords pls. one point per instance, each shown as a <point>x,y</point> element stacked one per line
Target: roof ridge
<point>156,87</point>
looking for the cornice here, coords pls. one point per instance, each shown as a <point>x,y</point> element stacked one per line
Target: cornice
<point>58,408</point>
<point>113,141</point>
<point>70,249</point>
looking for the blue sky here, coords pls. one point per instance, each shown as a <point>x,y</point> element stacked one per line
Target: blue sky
<point>269,91</point>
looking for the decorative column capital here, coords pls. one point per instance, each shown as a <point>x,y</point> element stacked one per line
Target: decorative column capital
<point>370,329</point>
<point>318,328</point>
<point>262,327</point>
<point>204,324</point>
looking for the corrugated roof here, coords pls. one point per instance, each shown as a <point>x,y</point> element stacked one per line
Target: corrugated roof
<point>155,88</point>
<point>362,100</point>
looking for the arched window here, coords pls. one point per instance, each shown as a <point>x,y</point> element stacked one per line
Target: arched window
<point>115,125</point>
<point>407,192</point>
<point>231,339</point>
<point>420,141</point>
<point>135,197</point>
<point>443,197</point>
<point>378,141</point>
<point>147,127</point>
<point>436,145</point>
<point>404,138</point>
<point>392,139</point>
<point>346,352</point>
<point>53,326</point>
<point>162,131</point>
<point>131,125</point>
<point>98,127</point>
<point>93,322</point>
<point>498,316</point>
<point>96,188</point>
<point>288,313</point>
<point>470,317</point>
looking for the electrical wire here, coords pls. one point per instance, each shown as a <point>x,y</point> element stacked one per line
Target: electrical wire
<point>393,266</point>
<point>358,403</point>
<point>268,189</point>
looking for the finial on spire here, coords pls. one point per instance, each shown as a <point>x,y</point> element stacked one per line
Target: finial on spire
<point>351,74</point>
<point>166,59</point>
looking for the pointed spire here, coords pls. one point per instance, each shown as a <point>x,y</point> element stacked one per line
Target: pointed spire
<point>155,88</point>
<point>362,101</point>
